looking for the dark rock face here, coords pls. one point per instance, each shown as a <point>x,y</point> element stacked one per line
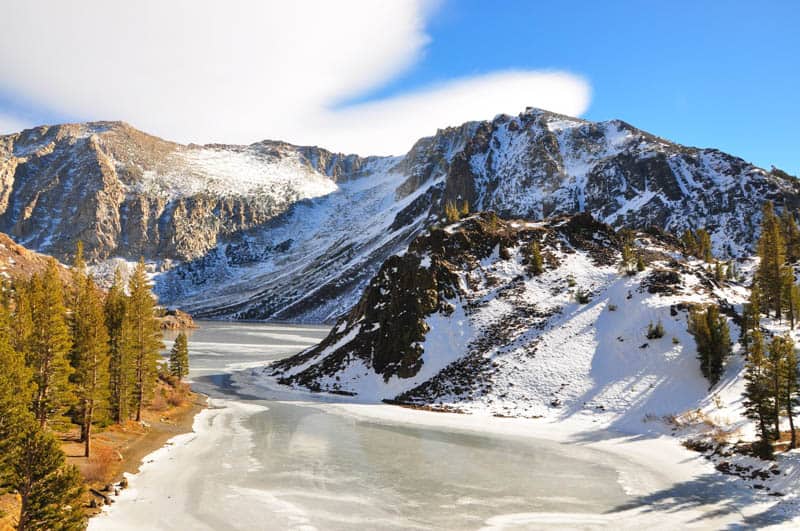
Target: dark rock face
<point>304,245</point>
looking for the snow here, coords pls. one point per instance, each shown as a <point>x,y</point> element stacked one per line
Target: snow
<point>343,230</point>
<point>672,487</point>
<point>573,360</point>
<point>444,343</point>
<point>238,171</point>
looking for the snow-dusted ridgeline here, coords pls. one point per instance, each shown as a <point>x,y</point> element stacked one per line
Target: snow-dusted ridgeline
<point>275,231</point>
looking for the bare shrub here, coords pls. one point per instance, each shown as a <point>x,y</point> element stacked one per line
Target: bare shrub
<point>98,469</point>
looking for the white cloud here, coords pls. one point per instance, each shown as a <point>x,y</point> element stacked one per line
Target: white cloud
<point>240,71</point>
<point>392,125</point>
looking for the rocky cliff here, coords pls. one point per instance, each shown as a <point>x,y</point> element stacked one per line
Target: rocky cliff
<point>125,193</point>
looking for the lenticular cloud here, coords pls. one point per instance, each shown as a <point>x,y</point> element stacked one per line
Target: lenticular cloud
<point>239,71</point>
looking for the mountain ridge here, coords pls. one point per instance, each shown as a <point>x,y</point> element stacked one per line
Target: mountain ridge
<point>276,231</point>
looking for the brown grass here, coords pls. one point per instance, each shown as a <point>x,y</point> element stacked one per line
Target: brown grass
<point>101,464</point>
<point>159,401</point>
<point>717,429</point>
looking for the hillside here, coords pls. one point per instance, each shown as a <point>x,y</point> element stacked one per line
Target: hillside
<point>17,262</point>
<point>460,323</point>
<point>276,231</point>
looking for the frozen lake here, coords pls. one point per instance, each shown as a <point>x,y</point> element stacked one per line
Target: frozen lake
<point>282,460</point>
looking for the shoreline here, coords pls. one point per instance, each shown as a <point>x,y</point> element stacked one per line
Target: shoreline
<point>134,444</point>
<point>650,469</point>
<point>158,437</point>
<point>135,447</point>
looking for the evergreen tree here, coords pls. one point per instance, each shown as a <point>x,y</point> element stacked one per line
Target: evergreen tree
<point>78,274</point>
<point>771,251</point>
<point>640,263</point>
<point>145,337</point>
<point>703,239</point>
<point>790,296</point>
<point>121,366</point>
<point>16,393</point>
<point>790,384</point>
<point>689,243</point>
<point>22,318</point>
<point>758,399</point>
<point>451,212</point>
<point>90,355</point>
<point>779,349</point>
<point>50,345</point>
<point>730,271</point>
<point>719,272</point>
<point>751,317</point>
<point>179,357</point>
<point>791,236</point>
<point>710,330</point>
<point>49,490</point>
<point>628,264</point>
<point>535,260</point>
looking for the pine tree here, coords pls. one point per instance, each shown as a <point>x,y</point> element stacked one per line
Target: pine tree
<point>90,355</point>
<point>22,317</point>
<point>628,264</point>
<point>640,266</point>
<point>775,364</point>
<point>719,272</point>
<point>179,357</point>
<point>451,212</point>
<point>145,337</point>
<point>790,384</point>
<point>730,271</point>
<point>689,243</point>
<point>49,490</point>
<point>758,400</point>
<point>78,274</point>
<point>711,333</point>
<point>535,260</point>
<point>73,296</point>
<point>121,366</point>
<point>791,236</point>
<point>703,239</point>
<point>790,296</point>
<point>771,251</point>
<point>751,317</point>
<point>16,393</point>
<point>50,345</point>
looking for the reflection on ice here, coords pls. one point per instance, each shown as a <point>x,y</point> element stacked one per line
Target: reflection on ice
<point>255,463</point>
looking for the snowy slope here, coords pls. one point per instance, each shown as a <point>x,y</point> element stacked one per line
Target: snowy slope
<point>510,343</point>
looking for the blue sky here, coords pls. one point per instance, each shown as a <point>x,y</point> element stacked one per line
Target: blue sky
<point>722,74</point>
<point>371,77</point>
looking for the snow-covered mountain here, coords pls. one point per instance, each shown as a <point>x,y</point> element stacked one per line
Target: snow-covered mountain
<point>459,322</point>
<point>275,231</point>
